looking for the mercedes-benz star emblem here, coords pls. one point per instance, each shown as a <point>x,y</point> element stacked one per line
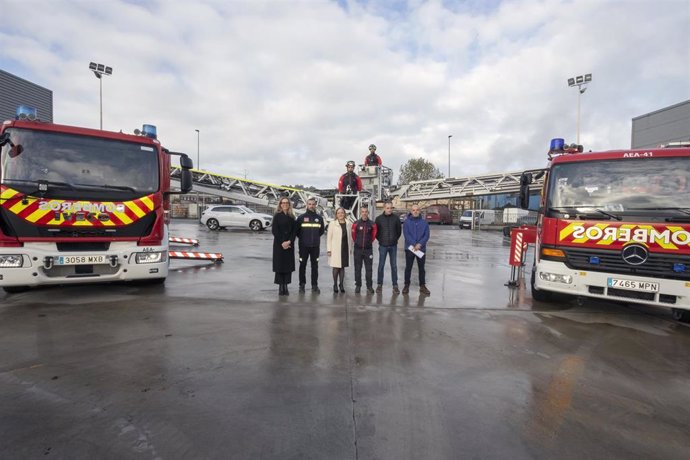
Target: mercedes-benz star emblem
<point>635,254</point>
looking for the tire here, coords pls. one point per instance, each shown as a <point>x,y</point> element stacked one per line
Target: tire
<point>681,315</point>
<point>212,224</point>
<point>539,296</point>
<point>255,225</point>
<point>15,289</point>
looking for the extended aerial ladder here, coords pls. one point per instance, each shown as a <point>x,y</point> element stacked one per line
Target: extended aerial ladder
<point>464,187</point>
<point>250,191</point>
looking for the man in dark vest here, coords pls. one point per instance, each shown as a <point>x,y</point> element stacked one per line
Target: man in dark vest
<point>309,230</point>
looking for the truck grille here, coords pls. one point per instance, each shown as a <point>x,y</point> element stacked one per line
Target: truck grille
<point>657,265</point>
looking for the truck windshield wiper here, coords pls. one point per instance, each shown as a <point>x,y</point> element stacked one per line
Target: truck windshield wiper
<point>106,186</point>
<point>42,186</point>
<point>583,214</point>
<point>606,213</point>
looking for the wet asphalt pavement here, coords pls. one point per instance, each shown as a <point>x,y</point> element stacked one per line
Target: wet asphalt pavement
<point>215,365</point>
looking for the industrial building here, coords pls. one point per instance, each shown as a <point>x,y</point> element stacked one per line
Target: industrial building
<point>670,124</point>
<point>15,91</point>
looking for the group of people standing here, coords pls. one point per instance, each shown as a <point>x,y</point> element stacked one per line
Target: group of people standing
<point>309,227</point>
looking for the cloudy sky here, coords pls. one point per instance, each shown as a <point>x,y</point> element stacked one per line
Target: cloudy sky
<point>287,91</point>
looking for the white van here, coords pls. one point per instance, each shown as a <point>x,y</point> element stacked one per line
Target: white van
<point>474,217</point>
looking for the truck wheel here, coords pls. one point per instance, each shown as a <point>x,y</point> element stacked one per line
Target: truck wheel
<point>681,315</point>
<point>540,296</point>
<point>15,289</point>
<point>255,225</point>
<point>212,224</point>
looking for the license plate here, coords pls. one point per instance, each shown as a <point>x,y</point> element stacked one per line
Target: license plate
<point>630,285</point>
<point>80,260</point>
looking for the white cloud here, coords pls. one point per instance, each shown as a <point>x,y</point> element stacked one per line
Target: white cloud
<point>289,91</point>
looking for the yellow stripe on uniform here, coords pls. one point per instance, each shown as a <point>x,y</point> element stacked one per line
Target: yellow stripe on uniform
<point>310,225</point>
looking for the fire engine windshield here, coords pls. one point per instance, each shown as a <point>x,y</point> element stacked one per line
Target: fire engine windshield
<point>620,187</point>
<point>78,165</point>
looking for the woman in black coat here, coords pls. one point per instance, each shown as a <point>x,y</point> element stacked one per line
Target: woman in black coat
<point>284,232</point>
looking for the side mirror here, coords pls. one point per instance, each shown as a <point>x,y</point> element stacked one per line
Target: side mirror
<point>186,162</point>
<point>185,180</point>
<point>525,181</point>
<point>16,150</point>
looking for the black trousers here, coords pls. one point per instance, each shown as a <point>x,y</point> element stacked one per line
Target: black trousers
<point>409,262</point>
<point>304,255</point>
<point>367,257</point>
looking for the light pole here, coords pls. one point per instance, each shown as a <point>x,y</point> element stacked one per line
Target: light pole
<point>581,82</point>
<point>197,148</point>
<point>449,136</point>
<point>198,196</point>
<point>99,70</point>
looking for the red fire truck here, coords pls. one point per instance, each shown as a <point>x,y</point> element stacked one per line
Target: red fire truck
<point>82,205</point>
<point>614,225</point>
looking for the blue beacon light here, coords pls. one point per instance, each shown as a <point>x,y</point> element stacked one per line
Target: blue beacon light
<point>149,131</point>
<point>594,260</point>
<point>679,268</point>
<point>557,144</point>
<point>25,112</point>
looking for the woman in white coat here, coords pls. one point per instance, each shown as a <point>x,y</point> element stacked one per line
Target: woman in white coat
<point>338,249</point>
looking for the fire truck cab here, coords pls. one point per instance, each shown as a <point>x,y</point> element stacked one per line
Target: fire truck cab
<point>614,225</point>
<point>82,205</point>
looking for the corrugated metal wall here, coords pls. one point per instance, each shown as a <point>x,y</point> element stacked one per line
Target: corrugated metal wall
<point>662,126</point>
<point>15,91</point>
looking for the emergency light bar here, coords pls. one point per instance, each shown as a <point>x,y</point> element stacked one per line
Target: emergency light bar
<point>25,112</point>
<point>149,131</point>
<point>559,147</point>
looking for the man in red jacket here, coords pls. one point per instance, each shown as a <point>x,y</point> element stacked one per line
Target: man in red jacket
<point>363,235</point>
<point>349,184</point>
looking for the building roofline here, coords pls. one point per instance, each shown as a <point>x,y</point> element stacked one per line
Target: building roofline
<point>662,110</point>
<point>25,80</point>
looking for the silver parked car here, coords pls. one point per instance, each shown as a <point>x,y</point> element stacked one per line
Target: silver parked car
<point>221,216</point>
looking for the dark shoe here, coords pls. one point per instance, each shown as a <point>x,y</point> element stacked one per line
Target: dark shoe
<point>315,288</point>
<point>406,289</point>
<point>342,288</point>
<point>396,290</point>
<point>358,289</point>
<point>424,290</point>
<point>379,289</point>
<point>370,290</point>
<point>281,289</point>
<point>301,288</point>
<point>335,288</point>
<point>285,291</point>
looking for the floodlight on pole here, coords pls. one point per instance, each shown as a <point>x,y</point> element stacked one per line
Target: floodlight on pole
<point>449,136</point>
<point>581,82</point>
<point>99,70</point>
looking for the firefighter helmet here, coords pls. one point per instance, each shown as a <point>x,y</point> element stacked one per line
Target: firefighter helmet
<point>372,147</point>
<point>350,163</point>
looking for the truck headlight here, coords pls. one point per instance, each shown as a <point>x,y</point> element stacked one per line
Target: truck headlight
<point>11,261</point>
<point>151,257</point>
<point>556,278</point>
